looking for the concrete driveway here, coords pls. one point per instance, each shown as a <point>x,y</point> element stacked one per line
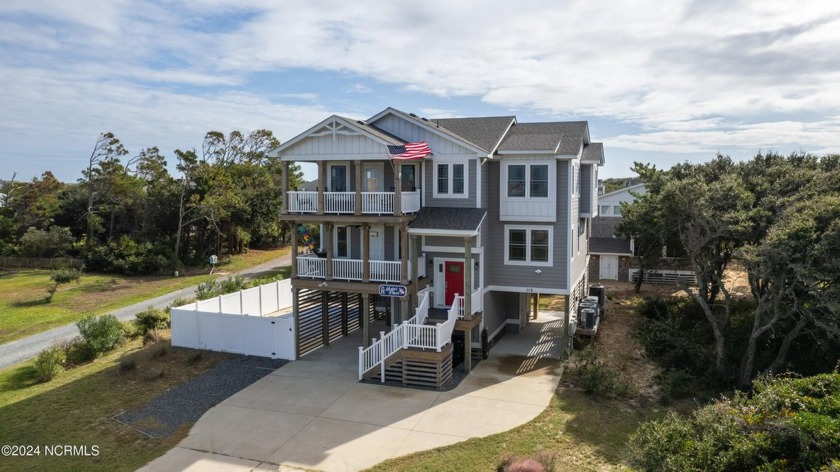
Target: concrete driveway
<point>314,414</point>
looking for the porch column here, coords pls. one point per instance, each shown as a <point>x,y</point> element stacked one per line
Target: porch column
<point>296,317</point>
<point>415,270</point>
<point>468,270</point>
<point>365,252</point>
<point>403,265</point>
<point>344,314</point>
<point>327,237</point>
<point>366,319</point>
<point>325,317</point>
<point>397,189</point>
<point>358,209</point>
<point>566,321</point>
<point>284,207</point>
<point>322,181</point>
<point>294,236</point>
<point>536,302</point>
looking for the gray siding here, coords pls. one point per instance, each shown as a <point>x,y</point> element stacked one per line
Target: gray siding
<point>497,272</point>
<point>412,132</point>
<point>586,188</point>
<point>428,188</point>
<point>447,241</point>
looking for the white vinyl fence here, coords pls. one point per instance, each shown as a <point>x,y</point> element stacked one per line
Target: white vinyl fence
<point>244,322</point>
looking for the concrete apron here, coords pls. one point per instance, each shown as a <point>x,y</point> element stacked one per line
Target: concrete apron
<point>314,414</point>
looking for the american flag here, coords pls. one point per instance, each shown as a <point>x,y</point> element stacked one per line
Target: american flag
<point>410,151</point>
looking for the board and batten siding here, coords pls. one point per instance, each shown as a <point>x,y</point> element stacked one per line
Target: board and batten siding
<point>453,202</point>
<point>541,209</point>
<point>315,147</point>
<point>523,276</point>
<point>412,132</point>
<point>586,188</point>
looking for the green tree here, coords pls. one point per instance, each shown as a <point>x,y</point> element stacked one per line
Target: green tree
<point>56,242</point>
<point>107,148</point>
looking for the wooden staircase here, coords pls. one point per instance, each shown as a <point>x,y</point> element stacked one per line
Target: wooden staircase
<point>418,368</point>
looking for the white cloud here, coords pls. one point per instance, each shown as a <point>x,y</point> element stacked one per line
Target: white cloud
<point>692,76</point>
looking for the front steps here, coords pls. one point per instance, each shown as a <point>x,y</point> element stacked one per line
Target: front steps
<point>418,368</point>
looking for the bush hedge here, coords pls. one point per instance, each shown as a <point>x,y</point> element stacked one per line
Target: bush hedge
<point>101,333</point>
<point>783,424</point>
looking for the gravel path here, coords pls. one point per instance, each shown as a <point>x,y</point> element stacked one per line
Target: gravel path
<point>185,404</point>
<point>26,348</point>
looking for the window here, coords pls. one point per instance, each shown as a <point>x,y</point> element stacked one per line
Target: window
<point>605,209</point>
<point>617,210</point>
<point>408,176</point>
<point>516,181</point>
<point>528,245</point>
<point>338,178</point>
<point>527,180</point>
<point>451,180</point>
<point>341,246</point>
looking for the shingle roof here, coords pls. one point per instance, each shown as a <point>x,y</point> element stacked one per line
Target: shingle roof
<point>593,153</point>
<point>485,132</point>
<point>454,219</point>
<point>562,137</point>
<point>609,246</point>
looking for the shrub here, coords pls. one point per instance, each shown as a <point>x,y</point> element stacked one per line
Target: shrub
<point>53,243</point>
<point>78,352</point>
<point>127,364</point>
<point>153,374</point>
<point>127,256</point>
<point>50,363</point>
<point>153,336</point>
<point>160,350</point>
<point>101,333</point>
<point>195,358</point>
<point>213,288</point>
<point>599,380</point>
<point>59,277</point>
<point>149,319</point>
<point>785,424</point>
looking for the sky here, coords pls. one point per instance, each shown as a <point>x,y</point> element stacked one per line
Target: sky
<point>659,81</point>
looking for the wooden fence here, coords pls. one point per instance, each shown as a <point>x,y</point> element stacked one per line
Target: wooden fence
<point>38,263</point>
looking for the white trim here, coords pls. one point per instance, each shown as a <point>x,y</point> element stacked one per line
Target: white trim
<point>332,164</point>
<point>620,254</point>
<point>502,138</point>
<point>439,278</point>
<point>498,330</point>
<point>541,291</point>
<point>453,249</point>
<point>570,233</point>
<point>442,232</point>
<point>450,161</point>
<point>424,125</point>
<point>311,131</point>
<point>349,242</point>
<point>625,189</point>
<point>528,229</point>
<point>478,165</point>
<point>314,158</point>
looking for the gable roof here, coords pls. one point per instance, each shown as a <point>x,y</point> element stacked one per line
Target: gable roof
<point>624,189</point>
<point>593,154</point>
<point>564,138</point>
<point>428,125</point>
<point>363,128</point>
<point>486,131</point>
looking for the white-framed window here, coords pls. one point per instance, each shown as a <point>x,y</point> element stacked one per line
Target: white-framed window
<point>528,245</point>
<point>342,242</point>
<point>450,180</point>
<point>605,210</point>
<point>617,210</point>
<point>527,180</point>
<point>338,177</point>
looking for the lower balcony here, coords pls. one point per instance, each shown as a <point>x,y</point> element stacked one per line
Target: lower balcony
<point>372,203</point>
<point>315,267</point>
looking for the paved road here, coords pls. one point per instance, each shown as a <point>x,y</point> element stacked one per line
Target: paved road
<point>22,349</point>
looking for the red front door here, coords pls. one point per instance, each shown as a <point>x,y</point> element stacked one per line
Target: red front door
<point>454,276</point>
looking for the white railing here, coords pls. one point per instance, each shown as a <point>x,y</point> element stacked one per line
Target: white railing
<point>339,202</point>
<point>412,333</point>
<point>410,202</point>
<point>385,271</point>
<point>311,266</point>
<point>378,202</point>
<point>303,202</point>
<point>350,269</point>
<point>475,302</point>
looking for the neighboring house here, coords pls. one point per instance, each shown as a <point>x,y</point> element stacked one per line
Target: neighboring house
<point>611,255</point>
<point>497,214</point>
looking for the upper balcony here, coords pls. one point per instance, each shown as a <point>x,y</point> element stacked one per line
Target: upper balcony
<point>369,203</point>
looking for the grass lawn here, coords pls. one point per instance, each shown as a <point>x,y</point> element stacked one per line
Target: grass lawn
<point>574,433</point>
<point>77,408</point>
<point>23,311</point>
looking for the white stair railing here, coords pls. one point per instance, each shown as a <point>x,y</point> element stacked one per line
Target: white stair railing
<point>412,333</point>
